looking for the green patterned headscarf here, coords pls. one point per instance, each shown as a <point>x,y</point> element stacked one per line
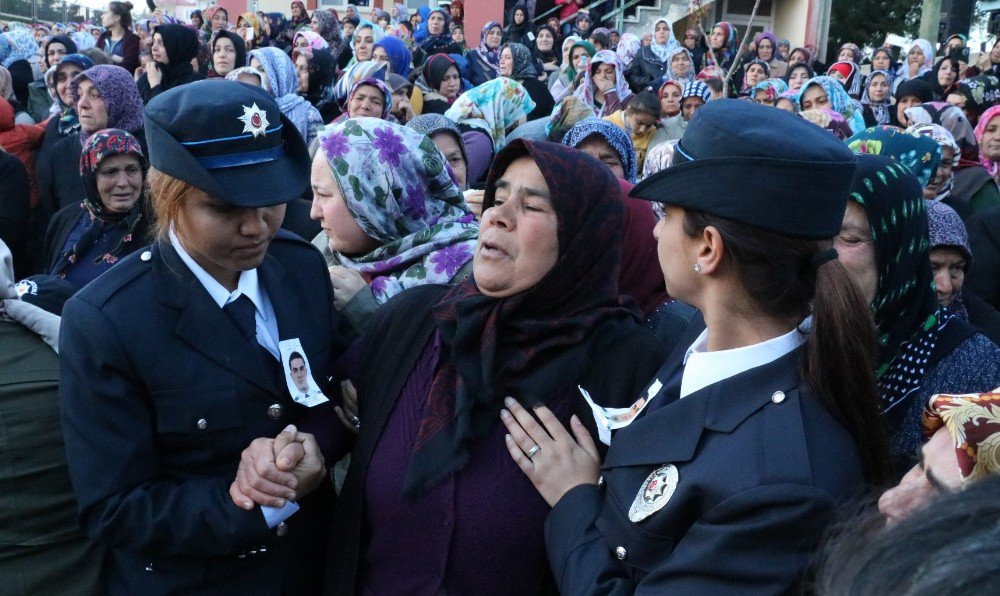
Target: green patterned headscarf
<point>905,306</point>
<point>398,189</point>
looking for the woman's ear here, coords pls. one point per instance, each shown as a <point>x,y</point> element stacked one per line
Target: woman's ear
<point>710,250</point>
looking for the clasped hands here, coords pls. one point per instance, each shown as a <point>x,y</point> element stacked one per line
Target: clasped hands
<point>273,471</point>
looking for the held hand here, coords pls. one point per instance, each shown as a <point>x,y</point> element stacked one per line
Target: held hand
<point>349,413</point>
<point>259,480</point>
<point>553,460</point>
<point>299,453</point>
<point>346,283</point>
<point>474,198</point>
<point>153,74</point>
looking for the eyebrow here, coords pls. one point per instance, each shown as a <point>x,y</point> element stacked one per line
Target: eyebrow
<point>527,190</point>
<point>932,479</point>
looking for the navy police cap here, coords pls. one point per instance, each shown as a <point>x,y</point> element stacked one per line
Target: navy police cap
<point>229,140</point>
<point>757,165</point>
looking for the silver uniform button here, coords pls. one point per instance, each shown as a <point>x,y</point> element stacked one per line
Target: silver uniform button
<point>146,255</point>
<point>149,567</point>
<point>275,411</point>
<point>600,481</point>
<point>778,397</point>
<point>621,553</point>
<point>281,529</point>
<point>202,424</point>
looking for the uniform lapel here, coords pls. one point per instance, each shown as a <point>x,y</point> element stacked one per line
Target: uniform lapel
<point>200,322</point>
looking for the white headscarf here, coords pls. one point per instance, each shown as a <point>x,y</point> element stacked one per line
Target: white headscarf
<point>662,51</point>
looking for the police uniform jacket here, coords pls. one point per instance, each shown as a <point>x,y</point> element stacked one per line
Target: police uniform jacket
<point>160,394</point>
<point>760,468</point>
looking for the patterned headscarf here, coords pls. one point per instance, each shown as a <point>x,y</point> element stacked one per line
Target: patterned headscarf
<point>315,40</point>
<point>353,74</point>
<point>973,421</point>
<point>399,192</point>
<point>855,52</point>
<point>372,82</point>
<point>979,92</point>
<point>533,344</point>
<point>828,119</point>
<point>329,29</point>
<point>905,308</point>
<point>284,84</point>
<point>772,88</point>
<point>944,139</point>
<point>259,36</point>
<point>618,139</point>
<point>16,45</point>
<point>852,76</point>
<point>490,57</point>
<point>880,109</point>
<point>991,166</point>
<point>121,96</point>
<point>586,89</point>
<point>683,77</point>
<point>696,89</point>
<point>628,46</point>
<point>840,101</point>
<point>920,155</point>
<point>662,51</point>
<point>434,44</point>
<point>524,63</point>
<point>492,107</point>
<point>432,124</point>
<point>745,87</point>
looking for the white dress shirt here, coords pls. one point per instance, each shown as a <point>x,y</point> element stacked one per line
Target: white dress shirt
<point>703,368</point>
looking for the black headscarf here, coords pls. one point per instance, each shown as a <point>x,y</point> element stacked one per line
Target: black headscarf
<point>181,45</point>
<point>435,68</point>
<point>906,310</point>
<point>533,345</point>
<point>63,39</point>
<point>238,44</point>
<point>322,71</point>
<point>552,53</point>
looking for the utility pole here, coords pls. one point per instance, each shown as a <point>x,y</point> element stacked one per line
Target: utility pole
<point>930,20</point>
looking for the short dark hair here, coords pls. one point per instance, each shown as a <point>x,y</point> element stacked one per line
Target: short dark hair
<point>715,84</point>
<point>645,103</point>
<point>295,355</point>
<point>352,20</point>
<point>600,38</point>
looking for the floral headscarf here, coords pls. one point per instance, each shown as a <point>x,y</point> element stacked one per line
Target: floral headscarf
<point>586,89</point>
<point>991,166</point>
<point>524,63</point>
<point>979,92</point>
<point>488,56</point>
<point>619,140</point>
<point>16,45</point>
<point>772,88</point>
<point>920,155</point>
<point>662,51</point>
<point>828,119</point>
<point>880,109</point>
<point>259,36</point>
<point>943,138</point>
<point>682,77</point>
<point>315,40</point>
<point>973,421</point>
<point>399,192</point>
<point>493,107</point>
<point>284,84</point>
<point>329,29</point>
<point>840,101</point>
<point>628,46</point>
<point>952,119</point>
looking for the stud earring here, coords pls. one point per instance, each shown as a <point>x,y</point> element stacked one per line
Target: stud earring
<point>697,267</point>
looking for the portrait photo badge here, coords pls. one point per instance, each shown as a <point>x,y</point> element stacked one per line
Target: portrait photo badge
<point>298,374</point>
<point>654,493</point>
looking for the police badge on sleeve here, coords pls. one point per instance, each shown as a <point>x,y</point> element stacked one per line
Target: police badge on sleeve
<point>654,493</point>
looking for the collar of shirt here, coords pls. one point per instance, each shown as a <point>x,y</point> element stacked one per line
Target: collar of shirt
<point>248,284</point>
<point>702,368</point>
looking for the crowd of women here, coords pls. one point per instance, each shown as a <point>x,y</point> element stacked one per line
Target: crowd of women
<point>251,248</point>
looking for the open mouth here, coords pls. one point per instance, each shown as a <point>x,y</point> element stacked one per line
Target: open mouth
<point>490,249</point>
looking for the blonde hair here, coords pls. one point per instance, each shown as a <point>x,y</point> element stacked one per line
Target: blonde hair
<point>167,195</point>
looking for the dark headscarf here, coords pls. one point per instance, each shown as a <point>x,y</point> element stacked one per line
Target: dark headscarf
<point>69,122</point>
<point>399,56</point>
<point>329,29</point>
<point>278,25</point>
<point>241,49</point>
<point>941,93</point>
<point>98,147</point>
<point>63,39</point>
<point>533,345</point>
<point>181,46</point>
<point>551,54</point>
<point>322,71</point>
<point>905,308</point>
<point>794,65</point>
<point>434,69</point>
<point>304,18</point>
<point>980,93</point>
<point>524,64</point>
<point>434,44</point>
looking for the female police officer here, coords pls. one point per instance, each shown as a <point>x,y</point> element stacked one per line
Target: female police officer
<point>171,364</point>
<point>752,435</point>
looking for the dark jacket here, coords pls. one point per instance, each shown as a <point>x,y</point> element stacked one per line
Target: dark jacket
<point>984,238</point>
<point>15,210</point>
<point>160,394</point>
<point>63,222</point>
<point>21,76</point>
<point>760,475</point>
<point>479,70</point>
<point>403,327</point>
<point>129,49</point>
<point>43,550</point>
<point>646,71</point>
<point>539,93</point>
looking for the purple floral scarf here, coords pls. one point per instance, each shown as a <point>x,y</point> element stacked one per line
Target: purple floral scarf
<point>400,193</point>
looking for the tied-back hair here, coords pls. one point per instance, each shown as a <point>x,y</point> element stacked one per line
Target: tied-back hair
<point>782,281</point>
<point>123,10</point>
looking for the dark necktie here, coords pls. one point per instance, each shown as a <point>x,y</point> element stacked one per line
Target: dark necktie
<point>242,313</point>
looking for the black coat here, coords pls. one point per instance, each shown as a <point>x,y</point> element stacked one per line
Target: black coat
<point>160,393</point>
<point>63,222</point>
<point>646,71</point>
<point>400,333</point>
<point>984,237</point>
<point>15,209</point>
<point>760,474</point>
<point>539,93</point>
